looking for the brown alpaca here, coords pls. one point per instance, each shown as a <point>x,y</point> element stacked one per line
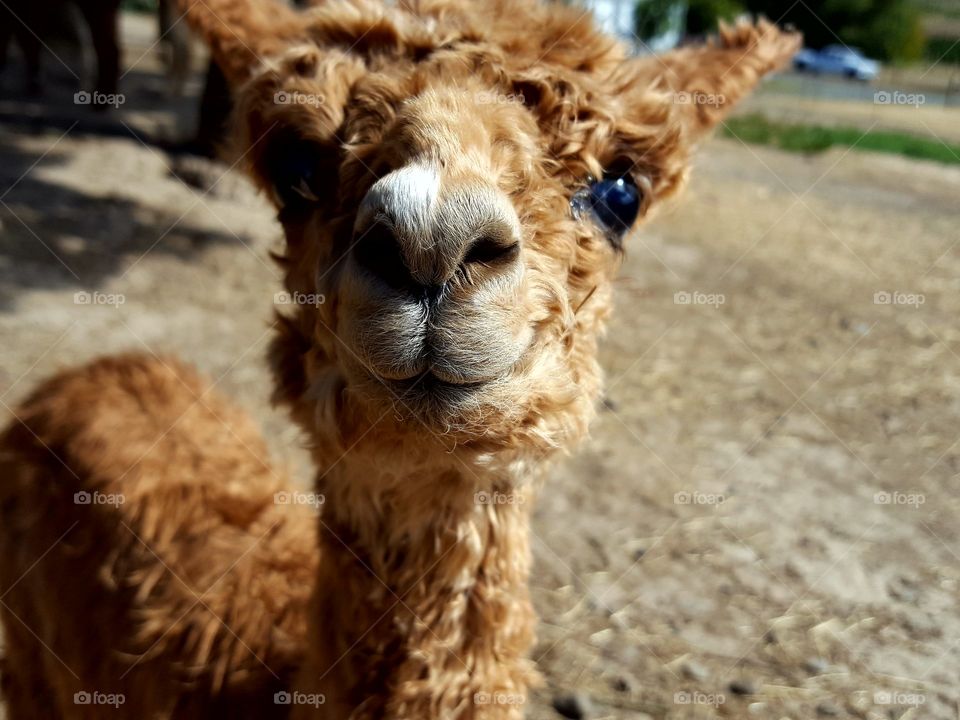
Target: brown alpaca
<point>424,164</point>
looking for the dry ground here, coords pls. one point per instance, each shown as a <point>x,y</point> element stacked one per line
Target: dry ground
<point>764,521</point>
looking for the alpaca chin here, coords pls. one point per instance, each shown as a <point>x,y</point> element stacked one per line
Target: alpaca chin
<point>431,404</point>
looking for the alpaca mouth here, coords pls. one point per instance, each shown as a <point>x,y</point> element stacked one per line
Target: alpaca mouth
<point>429,382</point>
<point>428,397</point>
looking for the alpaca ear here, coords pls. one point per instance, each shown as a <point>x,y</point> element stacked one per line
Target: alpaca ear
<point>707,81</point>
<point>240,33</point>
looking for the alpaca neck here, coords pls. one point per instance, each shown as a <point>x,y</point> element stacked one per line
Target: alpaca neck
<point>422,600</point>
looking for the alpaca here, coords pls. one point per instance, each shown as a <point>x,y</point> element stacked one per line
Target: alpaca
<point>455,182</point>
<point>29,22</point>
<point>32,24</point>
<point>176,38</point>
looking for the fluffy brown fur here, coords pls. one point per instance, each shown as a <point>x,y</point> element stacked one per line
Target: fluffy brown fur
<point>430,422</point>
<point>179,596</point>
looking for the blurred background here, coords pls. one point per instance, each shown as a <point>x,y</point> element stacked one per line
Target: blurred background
<point>764,522</point>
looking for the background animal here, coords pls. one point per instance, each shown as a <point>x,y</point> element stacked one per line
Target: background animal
<point>83,36</point>
<point>30,22</point>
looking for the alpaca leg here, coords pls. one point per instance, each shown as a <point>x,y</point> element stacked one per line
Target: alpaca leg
<point>215,108</point>
<point>30,46</point>
<point>6,32</point>
<point>102,17</point>
<point>176,37</point>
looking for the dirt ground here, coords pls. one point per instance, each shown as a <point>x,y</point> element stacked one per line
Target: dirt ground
<point>764,521</point>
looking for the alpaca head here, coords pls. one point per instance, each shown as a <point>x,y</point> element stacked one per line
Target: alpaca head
<point>458,181</point>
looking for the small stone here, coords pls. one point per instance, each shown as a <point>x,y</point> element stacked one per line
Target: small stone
<point>602,638</point>
<point>827,709</point>
<point>695,671</point>
<point>816,665</point>
<point>622,684</point>
<point>903,589</point>
<point>573,705</point>
<point>743,687</point>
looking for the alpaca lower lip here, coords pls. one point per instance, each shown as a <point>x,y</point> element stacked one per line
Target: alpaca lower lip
<point>428,382</point>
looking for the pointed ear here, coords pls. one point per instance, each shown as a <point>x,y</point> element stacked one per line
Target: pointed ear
<point>707,81</point>
<point>240,33</point>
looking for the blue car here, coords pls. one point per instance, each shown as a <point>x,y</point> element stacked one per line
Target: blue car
<point>836,60</point>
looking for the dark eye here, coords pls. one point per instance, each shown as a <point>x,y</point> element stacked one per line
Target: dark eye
<point>300,171</point>
<point>614,202</point>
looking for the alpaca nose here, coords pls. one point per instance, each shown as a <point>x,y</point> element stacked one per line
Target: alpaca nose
<point>415,239</point>
<point>406,267</point>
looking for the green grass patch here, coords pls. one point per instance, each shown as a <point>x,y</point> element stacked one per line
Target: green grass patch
<point>948,8</point>
<point>139,6</point>
<point>943,49</point>
<point>758,129</point>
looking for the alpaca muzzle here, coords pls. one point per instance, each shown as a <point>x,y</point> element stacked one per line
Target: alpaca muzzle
<point>436,280</point>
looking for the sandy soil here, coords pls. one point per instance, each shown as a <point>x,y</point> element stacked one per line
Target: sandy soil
<point>764,521</point>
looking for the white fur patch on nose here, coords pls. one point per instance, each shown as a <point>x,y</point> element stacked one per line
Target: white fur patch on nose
<point>431,226</point>
<point>405,199</point>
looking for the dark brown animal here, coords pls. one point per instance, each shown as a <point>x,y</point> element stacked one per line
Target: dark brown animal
<point>29,22</point>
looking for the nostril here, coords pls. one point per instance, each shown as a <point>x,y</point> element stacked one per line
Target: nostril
<point>377,251</point>
<point>489,250</point>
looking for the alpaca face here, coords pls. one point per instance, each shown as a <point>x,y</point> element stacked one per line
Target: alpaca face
<point>434,291</point>
<point>458,184</point>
